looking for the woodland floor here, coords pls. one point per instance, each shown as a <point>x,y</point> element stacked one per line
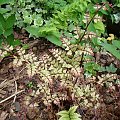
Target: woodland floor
<point>15,80</point>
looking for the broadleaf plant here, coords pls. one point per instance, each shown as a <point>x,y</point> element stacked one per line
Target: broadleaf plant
<point>113,48</point>
<point>70,114</point>
<point>6,30</point>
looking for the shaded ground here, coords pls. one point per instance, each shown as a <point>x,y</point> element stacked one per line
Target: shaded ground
<point>29,105</point>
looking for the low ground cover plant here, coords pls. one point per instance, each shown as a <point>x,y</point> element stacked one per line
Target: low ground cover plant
<point>73,69</point>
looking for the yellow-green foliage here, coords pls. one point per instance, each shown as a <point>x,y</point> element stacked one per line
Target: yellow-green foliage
<point>70,114</point>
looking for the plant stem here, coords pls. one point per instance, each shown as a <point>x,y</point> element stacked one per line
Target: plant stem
<point>91,21</point>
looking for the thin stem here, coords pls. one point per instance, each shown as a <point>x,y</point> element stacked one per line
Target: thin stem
<point>91,21</point>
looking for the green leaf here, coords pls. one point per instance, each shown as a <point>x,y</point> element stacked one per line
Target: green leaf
<point>104,12</point>
<point>55,40</point>
<point>112,49</point>
<point>25,46</point>
<point>3,10</point>
<point>71,27</point>
<point>95,41</point>
<point>72,109</point>
<point>28,19</point>
<point>33,30</point>
<point>62,113</point>
<point>46,30</point>
<point>10,39</point>
<point>111,68</point>
<point>102,69</point>
<point>69,115</point>
<point>8,32</point>
<point>38,21</point>
<point>75,116</point>
<point>1,31</point>
<point>64,118</point>
<point>10,21</point>
<point>76,119</point>
<point>116,43</point>
<point>16,42</point>
<point>100,26</point>
<point>73,41</point>
<point>2,22</point>
<point>1,40</point>
<point>91,27</point>
<point>4,1</point>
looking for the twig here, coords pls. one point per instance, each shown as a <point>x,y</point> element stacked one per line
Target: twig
<point>12,96</point>
<point>91,21</point>
<point>15,91</point>
<point>4,83</point>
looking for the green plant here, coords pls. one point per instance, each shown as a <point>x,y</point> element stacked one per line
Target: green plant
<point>71,17</point>
<point>30,85</point>
<point>6,30</point>
<point>54,17</point>
<point>6,26</point>
<point>113,48</point>
<point>36,12</point>
<point>70,114</point>
<point>91,68</point>
<point>110,69</point>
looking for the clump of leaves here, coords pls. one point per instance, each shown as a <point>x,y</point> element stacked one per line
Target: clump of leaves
<point>91,68</point>
<point>6,30</point>
<point>36,12</point>
<point>110,69</point>
<point>70,114</point>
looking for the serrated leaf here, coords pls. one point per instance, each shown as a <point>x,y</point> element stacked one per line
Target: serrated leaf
<point>28,19</point>
<point>102,69</point>
<point>38,21</point>
<point>111,68</point>
<point>10,21</point>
